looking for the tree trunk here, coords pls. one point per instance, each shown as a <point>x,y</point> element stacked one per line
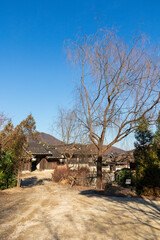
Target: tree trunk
<point>18,179</point>
<point>99,171</point>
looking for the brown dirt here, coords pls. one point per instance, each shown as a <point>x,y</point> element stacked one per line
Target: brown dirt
<point>44,210</point>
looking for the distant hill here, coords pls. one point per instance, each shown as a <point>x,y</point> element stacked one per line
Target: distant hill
<point>114,150</point>
<point>91,147</point>
<point>110,150</point>
<point>44,137</point>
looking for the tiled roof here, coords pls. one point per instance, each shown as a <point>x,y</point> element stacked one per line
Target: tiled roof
<point>55,153</point>
<point>84,152</point>
<point>119,158</point>
<point>37,148</point>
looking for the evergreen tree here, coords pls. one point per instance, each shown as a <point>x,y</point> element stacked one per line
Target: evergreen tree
<point>15,141</point>
<point>146,159</point>
<point>7,176</point>
<point>157,137</point>
<point>157,133</point>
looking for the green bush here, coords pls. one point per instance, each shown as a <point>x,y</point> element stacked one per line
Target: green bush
<point>149,182</point>
<point>7,176</point>
<point>126,174</point>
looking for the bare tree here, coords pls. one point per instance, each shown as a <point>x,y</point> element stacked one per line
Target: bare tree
<point>68,131</point>
<point>119,84</point>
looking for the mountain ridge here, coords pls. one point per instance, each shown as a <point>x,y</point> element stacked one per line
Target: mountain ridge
<point>51,140</point>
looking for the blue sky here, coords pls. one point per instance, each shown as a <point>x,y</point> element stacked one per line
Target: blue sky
<point>35,76</point>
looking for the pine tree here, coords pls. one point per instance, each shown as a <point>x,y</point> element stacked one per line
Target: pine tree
<point>157,137</point>
<point>157,133</point>
<point>146,159</point>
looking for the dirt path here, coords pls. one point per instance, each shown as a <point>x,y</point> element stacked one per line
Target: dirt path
<point>43,210</point>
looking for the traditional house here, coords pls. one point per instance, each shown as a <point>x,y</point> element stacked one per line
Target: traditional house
<point>42,158</point>
<point>48,157</point>
<point>83,156</point>
<point>114,161</point>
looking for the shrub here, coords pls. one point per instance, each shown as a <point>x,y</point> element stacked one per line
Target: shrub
<point>82,176</point>
<point>83,170</point>
<point>65,175</point>
<point>7,176</point>
<point>125,174</point>
<point>147,191</point>
<point>149,182</point>
<point>61,172</point>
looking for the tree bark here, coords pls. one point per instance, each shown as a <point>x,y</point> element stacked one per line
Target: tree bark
<point>99,171</point>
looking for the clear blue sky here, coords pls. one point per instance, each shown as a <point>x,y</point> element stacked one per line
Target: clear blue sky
<point>34,74</point>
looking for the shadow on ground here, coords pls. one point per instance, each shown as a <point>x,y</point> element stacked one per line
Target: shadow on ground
<point>33,181</point>
<point>151,207</point>
<point>145,212</point>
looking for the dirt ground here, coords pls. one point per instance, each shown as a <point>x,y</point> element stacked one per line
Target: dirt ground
<point>44,210</point>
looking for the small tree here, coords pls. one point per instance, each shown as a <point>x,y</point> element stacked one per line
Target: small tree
<point>15,140</point>
<point>157,137</point>
<point>7,176</point>
<point>146,159</point>
<point>68,130</point>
